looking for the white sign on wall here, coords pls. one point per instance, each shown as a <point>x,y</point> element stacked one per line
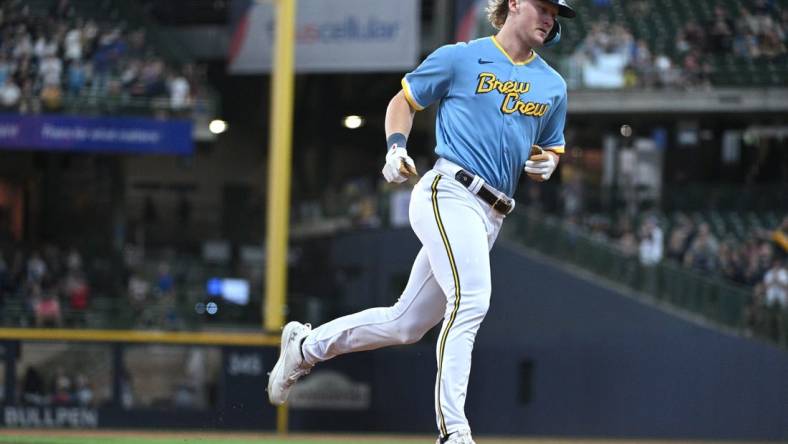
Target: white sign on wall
<point>332,36</point>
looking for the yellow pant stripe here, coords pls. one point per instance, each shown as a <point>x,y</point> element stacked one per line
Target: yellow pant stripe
<point>456,308</point>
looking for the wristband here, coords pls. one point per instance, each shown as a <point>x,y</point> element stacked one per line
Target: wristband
<point>397,139</point>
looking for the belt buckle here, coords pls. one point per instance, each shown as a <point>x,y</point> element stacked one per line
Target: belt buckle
<point>507,206</point>
<point>502,204</point>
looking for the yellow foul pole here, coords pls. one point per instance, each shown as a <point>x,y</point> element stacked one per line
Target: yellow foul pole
<point>279,167</point>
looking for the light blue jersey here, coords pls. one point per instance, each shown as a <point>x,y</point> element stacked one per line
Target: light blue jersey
<point>491,109</point>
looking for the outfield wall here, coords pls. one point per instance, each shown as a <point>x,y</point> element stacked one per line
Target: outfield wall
<point>559,355</point>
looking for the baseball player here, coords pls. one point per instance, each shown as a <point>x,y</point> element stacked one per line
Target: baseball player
<point>501,112</point>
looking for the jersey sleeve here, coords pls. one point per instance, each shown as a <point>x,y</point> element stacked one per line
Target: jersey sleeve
<point>552,135</point>
<point>431,80</point>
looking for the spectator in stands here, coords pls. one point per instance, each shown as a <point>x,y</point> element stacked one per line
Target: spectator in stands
<point>137,289</point>
<point>45,46</point>
<point>23,48</point>
<point>693,35</point>
<point>772,46</point>
<point>165,281</point>
<point>775,283</point>
<point>643,63</point>
<point>78,77</point>
<point>752,272</point>
<point>667,75</point>
<point>90,33</point>
<point>36,267</point>
<point>10,95</point>
<point>780,235</point>
<point>62,393</point>
<point>180,98</point>
<point>628,243</point>
<point>26,70</point>
<point>72,43</point>
<point>651,247</point>
<point>746,22</point>
<point>46,307</point>
<point>6,67</point>
<point>50,70</point>
<point>152,77</point>
<point>697,71</point>
<point>730,264</point>
<point>650,253</point>
<point>51,98</point>
<point>679,238</point>
<point>129,76</point>
<point>763,7</point>
<point>4,282</point>
<point>572,195</point>
<point>720,31</point>
<point>33,391</point>
<point>62,9</point>
<point>745,45</point>
<point>83,392</point>
<point>30,103</point>
<point>77,293</point>
<point>73,260</point>
<point>702,253</point>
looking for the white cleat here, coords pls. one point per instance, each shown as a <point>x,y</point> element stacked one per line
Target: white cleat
<point>291,366</point>
<point>461,437</point>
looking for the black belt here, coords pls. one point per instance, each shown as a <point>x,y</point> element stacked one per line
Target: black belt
<point>502,203</point>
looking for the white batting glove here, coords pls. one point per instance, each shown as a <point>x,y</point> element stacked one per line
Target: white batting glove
<point>399,166</point>
<point>541,166</point>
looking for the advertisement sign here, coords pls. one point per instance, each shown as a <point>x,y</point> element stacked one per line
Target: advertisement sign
<point>335,36</point>
<point>330,390</point>
<point>99,134</point>
<point>50,417</point>
<point>244,380</point>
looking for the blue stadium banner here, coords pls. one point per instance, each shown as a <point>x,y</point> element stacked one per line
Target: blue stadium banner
<point>96,134</point>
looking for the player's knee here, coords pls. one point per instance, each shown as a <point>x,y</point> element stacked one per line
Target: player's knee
<point>409,335</point>
<point>475,307</point>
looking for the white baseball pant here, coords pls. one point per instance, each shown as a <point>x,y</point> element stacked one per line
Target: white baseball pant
<point>450,280</point>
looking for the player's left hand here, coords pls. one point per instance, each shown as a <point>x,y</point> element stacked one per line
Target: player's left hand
<point>399,166</point>
<point>541,164</point>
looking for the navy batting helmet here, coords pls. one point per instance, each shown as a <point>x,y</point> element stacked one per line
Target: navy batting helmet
<point>564,10</point>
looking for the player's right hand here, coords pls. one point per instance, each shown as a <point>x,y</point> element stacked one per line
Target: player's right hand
<point>399,166</point>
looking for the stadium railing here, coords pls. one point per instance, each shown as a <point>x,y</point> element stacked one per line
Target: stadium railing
<point>714,299</point>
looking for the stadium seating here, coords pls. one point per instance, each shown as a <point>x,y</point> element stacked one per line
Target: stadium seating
<point>659,22</point>
<point>140,42</point>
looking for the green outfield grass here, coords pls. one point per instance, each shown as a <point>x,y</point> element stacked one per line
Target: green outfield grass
<point>125,440</point>
<point>174,440</point>
<point>143,437</point>
<point>129,437</point>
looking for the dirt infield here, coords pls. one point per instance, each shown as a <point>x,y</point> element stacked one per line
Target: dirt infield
<point>55,436</point>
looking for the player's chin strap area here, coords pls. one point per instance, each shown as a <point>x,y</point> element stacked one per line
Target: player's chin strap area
<point>475,184</point>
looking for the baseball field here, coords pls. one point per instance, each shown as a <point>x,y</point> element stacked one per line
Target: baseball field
<point>141,437</point>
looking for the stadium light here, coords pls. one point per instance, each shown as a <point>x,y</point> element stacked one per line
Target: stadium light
<point>217,126</point>
<point>353,122</point>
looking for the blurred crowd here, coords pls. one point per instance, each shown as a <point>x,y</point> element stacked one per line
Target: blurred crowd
<point>152,295</point>
<point>60,389</point>
<point>45,60</point>
<point>759,31</point>
<point>757,260</point>
<point>49,284</point>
